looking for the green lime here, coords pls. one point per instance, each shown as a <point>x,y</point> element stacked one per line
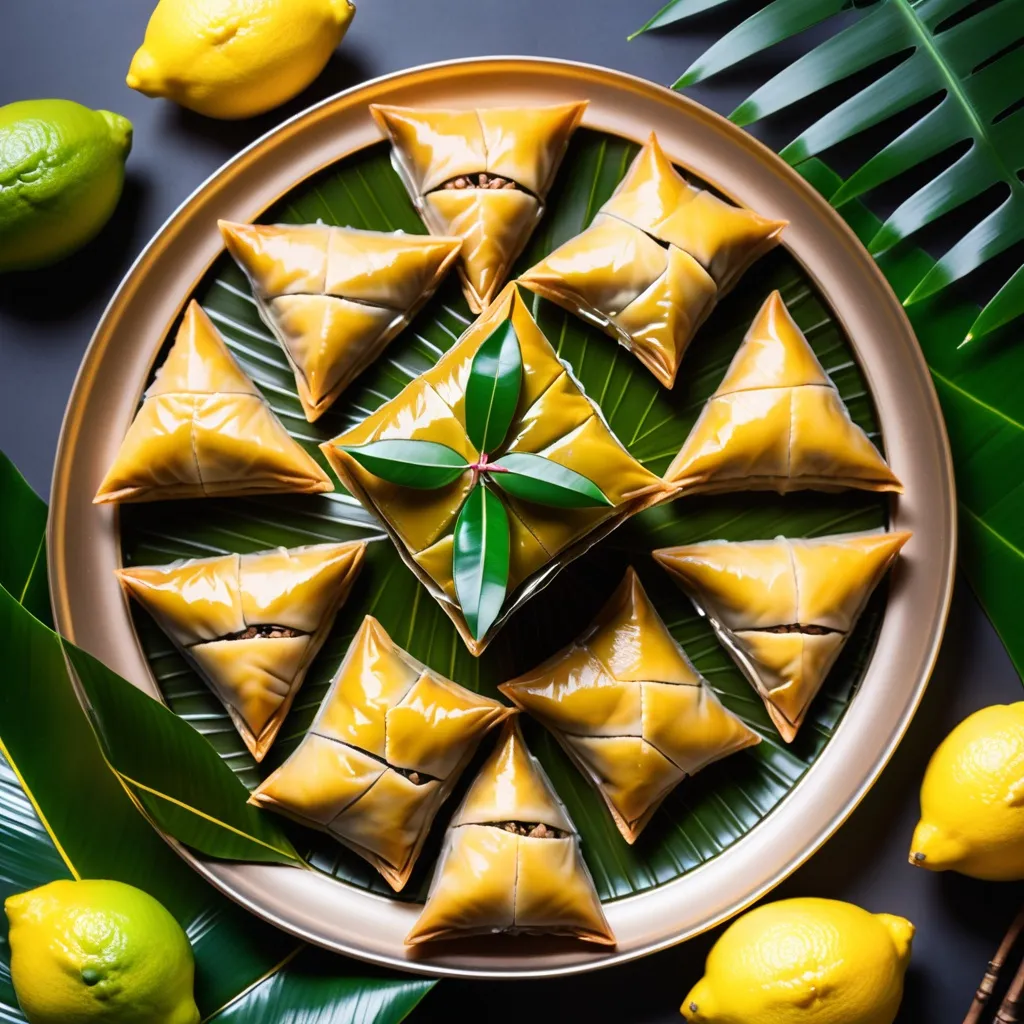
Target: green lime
<point>61,174</point>
<point>97,952</point>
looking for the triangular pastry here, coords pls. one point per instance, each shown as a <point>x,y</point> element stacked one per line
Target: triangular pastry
<point>784,608</point>
<point>511,859</point>
<point>334,297</point>
<point>656,259</point>
<point>384,751</point>
<point>251,625</point>
<point>204,430</point>
<point>629,708</point>
<point>482,176</point>
<point>554,418</point>
<point>777,422</point>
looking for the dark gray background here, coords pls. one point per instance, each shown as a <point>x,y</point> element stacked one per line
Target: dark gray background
<point>80,50</point>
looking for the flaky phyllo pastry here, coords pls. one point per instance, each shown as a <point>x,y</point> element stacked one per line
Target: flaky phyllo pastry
<point>511,859</point>
<point>481,175</point>
<point>784,608</point>
<point>388,743</point>
<point>334,297</point>
<point>250,625</point>
<point>552,422</point>
<point>204,429</point>
<point>629,709</point>
<point>777,423</point>
<point>655,260</point>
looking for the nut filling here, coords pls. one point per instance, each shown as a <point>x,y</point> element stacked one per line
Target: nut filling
<point>416,778</point>
<point>267,632</point>
<point>532,830</point>
<point>796,627</point>
<point>479,181</point>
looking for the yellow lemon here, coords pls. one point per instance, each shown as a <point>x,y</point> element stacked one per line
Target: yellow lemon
<point>99,953</point>
<point>61,174</point>
<point>972,798</point>
<point>805,961</point>
<point>236,58</point>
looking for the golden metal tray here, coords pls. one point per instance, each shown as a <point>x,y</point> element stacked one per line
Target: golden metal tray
<point>84,544</point>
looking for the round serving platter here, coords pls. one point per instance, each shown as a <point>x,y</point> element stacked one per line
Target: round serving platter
<point>724,838</point>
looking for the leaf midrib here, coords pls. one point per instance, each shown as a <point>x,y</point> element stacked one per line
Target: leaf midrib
<point>956,90</point>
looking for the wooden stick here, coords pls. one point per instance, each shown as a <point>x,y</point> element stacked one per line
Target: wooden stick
<point>991,979</point>
<point>1008,1011</point>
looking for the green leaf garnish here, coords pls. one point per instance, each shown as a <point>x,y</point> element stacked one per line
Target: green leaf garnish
<point>535,478</point>
<point>481,559</point>
<point>492,391</point>
<point>421,464</point>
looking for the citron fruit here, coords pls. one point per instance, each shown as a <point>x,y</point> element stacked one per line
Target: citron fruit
<point>236,58</point>
<point>972,798</point>
<point>61,175</point>
<point>804,961</point>
<point>99,953</point>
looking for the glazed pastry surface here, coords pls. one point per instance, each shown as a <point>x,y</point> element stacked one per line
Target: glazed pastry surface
<point>784,608</point>
<point>554,418</point>
<point>251,625</point>
<point>655,260</point>
<point>511,859</point>
<point>629,708</point>
<point>388,743</point>
<point>334,297</point>
<point>482,176</point>
<point>205,430</point>
<point>777,422</point>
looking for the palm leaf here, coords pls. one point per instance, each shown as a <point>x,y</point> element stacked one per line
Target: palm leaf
<point>63,814</point>
<point>961,60</point>
<point>705,815</point>
<point>984,412</point>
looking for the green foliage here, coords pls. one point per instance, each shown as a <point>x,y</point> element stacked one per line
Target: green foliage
<point>481,558</point>
<point>421,464</point>
<point>953,64</point>
<point>534,478</point>
<point>492,391</point>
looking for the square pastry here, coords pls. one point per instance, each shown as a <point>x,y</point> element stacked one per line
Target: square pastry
<point>384,751</point>
<point>492,470</point>
<point>656,259</point>
<point>629,708</point>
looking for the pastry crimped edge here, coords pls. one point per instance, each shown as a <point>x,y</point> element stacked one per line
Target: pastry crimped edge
<point>511,728</point>
<point>395,877</point>
<point>630,831</point>
<point>314,410</point>
<point>477,303</point>
<point>787,729</point>
<point>572,303</point>
<point>259,745</point>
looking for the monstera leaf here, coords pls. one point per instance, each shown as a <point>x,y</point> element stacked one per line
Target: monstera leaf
<point>953,69</point>
<point>67,815</point>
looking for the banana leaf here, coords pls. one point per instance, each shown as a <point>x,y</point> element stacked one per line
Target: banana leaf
<point>64,814</point>
<point>952,69</point>
<point>704,815</point>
